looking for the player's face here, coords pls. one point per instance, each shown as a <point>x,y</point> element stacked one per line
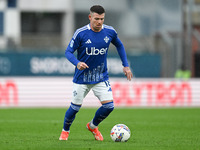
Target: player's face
<point>96,21</point>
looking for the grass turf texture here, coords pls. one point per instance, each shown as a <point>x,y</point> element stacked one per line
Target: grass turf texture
<point>175,128</point>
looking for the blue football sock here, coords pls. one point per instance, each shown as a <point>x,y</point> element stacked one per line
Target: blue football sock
<point>70,116</point>
<point>103,112</point>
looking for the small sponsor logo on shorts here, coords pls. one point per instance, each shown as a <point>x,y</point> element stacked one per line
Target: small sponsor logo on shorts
<point>110,90</point>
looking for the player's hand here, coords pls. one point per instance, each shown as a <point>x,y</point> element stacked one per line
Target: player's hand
<point>128,73</point>
<point>82,66</point>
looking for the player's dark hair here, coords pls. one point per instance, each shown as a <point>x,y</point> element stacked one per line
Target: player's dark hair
<point>97,9</point>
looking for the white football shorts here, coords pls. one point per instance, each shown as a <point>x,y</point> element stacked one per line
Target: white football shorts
<point>101,90</point>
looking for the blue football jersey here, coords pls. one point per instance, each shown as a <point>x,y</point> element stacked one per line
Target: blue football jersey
<point>92,48</point>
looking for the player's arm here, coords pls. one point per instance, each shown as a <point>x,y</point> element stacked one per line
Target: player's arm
<point>122,53</point>
<point>69,54</point>
<point>128,73</point>
<point>82,66</point>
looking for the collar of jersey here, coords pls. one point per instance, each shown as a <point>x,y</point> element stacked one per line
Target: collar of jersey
<point>88,26</point>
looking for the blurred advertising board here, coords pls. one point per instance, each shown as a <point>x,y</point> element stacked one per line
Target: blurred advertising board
<point>27,64</point>
<point>57,92</point>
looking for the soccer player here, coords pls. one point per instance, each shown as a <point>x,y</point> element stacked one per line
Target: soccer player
<point>91,43</point>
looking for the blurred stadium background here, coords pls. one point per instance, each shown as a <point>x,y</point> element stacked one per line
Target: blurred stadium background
<point>160,37</point>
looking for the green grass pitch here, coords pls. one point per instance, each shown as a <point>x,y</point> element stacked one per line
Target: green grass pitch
<point>151,129</point>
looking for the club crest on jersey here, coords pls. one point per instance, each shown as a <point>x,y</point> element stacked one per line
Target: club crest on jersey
<point>95,51</point>
<point>106,39</point>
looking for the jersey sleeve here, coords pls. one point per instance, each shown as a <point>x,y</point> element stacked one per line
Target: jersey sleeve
<point>71,48</point>
<point>120,49</point>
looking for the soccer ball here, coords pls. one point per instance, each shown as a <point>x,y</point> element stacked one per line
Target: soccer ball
<point>120,133</point>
